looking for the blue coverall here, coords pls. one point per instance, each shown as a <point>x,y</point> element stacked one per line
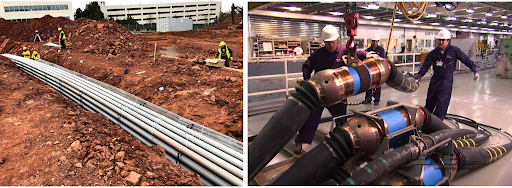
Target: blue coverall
<point>380,51</point>
<point>440,88</point>
<point>318,61</point>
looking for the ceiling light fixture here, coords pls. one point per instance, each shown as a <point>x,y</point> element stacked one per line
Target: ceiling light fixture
<point>450,18</point>
<point>372,6</point>
<point>504,16</point>
<point>432,15</point>
<point>488,14</point>
<point>369,17</point>
<point>417,22</point>
<point>336,13</point>
<point>293,8</point>
<point>435,23</point>
<point>450,25</point>
<point>470,10</point>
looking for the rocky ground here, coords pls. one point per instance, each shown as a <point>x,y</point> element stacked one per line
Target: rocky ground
<point>48,140</point>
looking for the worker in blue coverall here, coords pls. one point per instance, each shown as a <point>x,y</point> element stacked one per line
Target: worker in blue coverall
<point>444,59</point>
<point>380,51</point>
<point>327,57</point>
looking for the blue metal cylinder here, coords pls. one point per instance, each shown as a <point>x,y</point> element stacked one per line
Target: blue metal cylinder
<point>371,77</point>
<point>356,78</point>
<point>431,173</point>
<point>394,120</point>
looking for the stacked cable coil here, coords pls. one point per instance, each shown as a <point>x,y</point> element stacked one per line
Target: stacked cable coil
<point>217,158</point>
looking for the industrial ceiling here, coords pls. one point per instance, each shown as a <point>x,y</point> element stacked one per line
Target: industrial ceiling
<point>492,16</point>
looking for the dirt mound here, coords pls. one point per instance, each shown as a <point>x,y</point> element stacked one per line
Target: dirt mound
<point>4,30</point>
<point>225,24</point>
<point>105,37</point>
<point>107,51</point>
<point>198,45</point>
<point>97,37</point>
<point>47,140</point>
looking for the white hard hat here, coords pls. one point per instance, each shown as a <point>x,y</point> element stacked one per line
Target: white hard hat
<point>376,37</point>
<point>330,33</point>
<point>444,34</point>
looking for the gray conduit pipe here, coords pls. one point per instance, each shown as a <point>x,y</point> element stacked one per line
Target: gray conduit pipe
<point>67,92</point>
<point>112,100</point>
<point>164,121</point>
<point>147,128</point>
<point>204,173</point>
<point>133,126</point>
<point>133,106</point>
<point>146,142</point>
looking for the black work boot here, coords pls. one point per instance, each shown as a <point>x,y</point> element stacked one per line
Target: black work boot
<point>298,148</point>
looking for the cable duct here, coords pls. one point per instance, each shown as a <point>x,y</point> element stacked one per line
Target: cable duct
<point>217,161</point>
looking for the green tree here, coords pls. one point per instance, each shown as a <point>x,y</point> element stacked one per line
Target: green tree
<point>91,11</point>
<point>78,13</point>
<point>129,20</point>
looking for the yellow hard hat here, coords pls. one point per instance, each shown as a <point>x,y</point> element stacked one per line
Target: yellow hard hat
<point>35,52</point>
<point>222,43</point>
<point>36,31</point>
<point>60,28</point>
<point>24,48</point>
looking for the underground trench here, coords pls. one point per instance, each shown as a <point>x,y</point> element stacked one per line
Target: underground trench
<point>217,158</point>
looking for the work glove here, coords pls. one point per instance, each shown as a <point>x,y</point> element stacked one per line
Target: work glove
<point>417,79</point>
<point>299,81</point>
<point>476,76</point>
<point>231,58</point>
<point>372,54</point>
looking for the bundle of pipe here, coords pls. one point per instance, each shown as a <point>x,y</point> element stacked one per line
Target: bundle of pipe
<point>471,142</point>
<point>325,88</point>
<point>360,135</point>
<point>474,157</point>
<point>401,156</point>
<point>341,173</point>
<point>220,165</point>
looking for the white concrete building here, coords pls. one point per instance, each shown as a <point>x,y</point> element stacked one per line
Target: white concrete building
<point>26,10</point>
<point>201,12</point>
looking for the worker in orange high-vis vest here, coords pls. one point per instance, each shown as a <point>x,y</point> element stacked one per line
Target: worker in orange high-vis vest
<point>225,53</point>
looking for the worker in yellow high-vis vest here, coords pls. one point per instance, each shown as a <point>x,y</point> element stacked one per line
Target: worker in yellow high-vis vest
<point>62,39</point>
<point>35,55</point>
<point>225,53</point>
<point>26,53</point>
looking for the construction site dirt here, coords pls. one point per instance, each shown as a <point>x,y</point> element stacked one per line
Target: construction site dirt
<point>48,140</point>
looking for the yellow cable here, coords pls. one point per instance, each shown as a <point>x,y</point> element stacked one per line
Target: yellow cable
<point>504,149</point>
<point>474,144</point>
<point>455,144</point>
<point>489,154</point>
<point>462,144</point>
<point>420,9</point>
<point>494,152</point>
<point>391,28</point>
<point>501,154</point>
<point>467,142</point>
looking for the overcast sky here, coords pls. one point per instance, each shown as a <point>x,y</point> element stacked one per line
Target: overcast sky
<point>226,4</point>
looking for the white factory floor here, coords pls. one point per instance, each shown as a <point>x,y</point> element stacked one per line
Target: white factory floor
<point>487,101</point>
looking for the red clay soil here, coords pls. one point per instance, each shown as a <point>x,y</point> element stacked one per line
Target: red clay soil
<point>198,45</point>
<point>47,140</point>
<point>108,50</point>
<point>37,125</point>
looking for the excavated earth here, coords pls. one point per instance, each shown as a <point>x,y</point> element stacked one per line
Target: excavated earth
<point>48,140</point>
